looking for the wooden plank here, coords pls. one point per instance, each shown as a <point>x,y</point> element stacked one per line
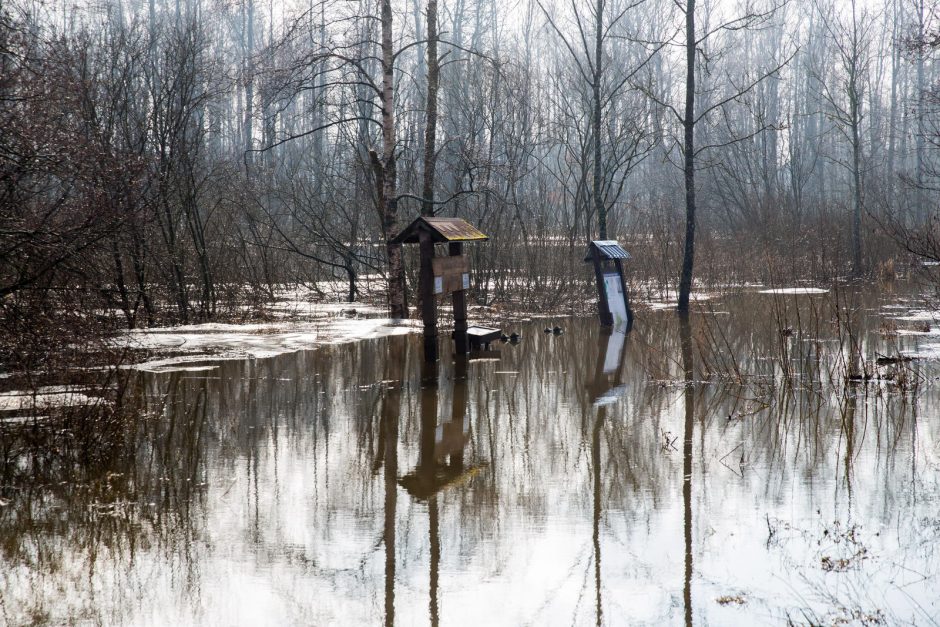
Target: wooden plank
<point>455,282</point>
<point>456,265</point>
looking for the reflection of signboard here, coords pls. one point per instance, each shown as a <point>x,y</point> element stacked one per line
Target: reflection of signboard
<point>451,274</point>
<point>614,351</point>
<point>451,437</point>
<point>616,299</point>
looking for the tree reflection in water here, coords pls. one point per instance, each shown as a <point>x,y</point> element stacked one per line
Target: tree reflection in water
<point>688,371</point>
<point>330,486</point>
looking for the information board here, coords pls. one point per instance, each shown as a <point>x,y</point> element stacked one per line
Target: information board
<point>616,299</point>
<point>451,274</point>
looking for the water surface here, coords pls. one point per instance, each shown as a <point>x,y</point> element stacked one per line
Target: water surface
<point>720,472</point>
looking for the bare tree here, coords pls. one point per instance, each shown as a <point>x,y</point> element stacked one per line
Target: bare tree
<point>587,46</point>
<point>850,33</point>
<point>430,130</point>
<point>754,15</point>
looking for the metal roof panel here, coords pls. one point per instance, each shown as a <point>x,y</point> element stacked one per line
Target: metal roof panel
<point>606,249</point>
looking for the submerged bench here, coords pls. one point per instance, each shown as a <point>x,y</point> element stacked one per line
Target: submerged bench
<point>480,337</point>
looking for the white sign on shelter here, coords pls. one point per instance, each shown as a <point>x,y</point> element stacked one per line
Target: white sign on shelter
<point>616,299</point>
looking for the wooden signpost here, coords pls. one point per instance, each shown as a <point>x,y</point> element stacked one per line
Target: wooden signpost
<point>442,275</point>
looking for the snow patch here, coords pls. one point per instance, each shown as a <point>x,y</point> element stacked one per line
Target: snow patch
<point>918,316</point>
<point>177,367</point>
<point>200,342</point>
<point>794,290</point>
<point>45,398</point>
<point>924,351</point>
<point>670,299</point>
<point>21,420</point>
<point>611,396</point>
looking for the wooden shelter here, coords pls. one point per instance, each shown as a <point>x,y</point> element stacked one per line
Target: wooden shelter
<point>613,302</point>
<point>448,274</point>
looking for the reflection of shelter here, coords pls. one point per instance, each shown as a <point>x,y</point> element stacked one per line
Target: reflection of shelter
<point>613,304</point>
<point>441,454</point>
<point>442,275</point>
<point>440,463</point>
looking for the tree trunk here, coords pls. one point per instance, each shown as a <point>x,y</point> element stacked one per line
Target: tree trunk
<point>249,70</point>
<point>121,284</point>
<point>893,115</point>
<point>857,183</point>
<point>430,130</point>
<point>599,207</point>
<point>855,121</point>
<point>688,123</point>
<point>349,266</point>
<point>921,145</point>
<point>396,270</point>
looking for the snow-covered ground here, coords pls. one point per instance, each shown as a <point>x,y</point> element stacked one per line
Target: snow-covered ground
<point>795,290</point>
<point>921,322</point>
<point>656,299</point>
<point>670,299</point>
<point>299,324</point>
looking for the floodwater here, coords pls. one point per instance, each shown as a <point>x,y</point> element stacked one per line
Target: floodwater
<point>723,471</point>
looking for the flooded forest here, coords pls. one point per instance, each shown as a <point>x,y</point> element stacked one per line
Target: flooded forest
<point>469,312</point>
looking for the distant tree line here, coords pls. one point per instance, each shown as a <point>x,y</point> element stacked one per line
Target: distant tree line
<point>175,160</point>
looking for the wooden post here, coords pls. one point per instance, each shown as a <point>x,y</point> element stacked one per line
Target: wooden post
<point>603,308</point>
<point>460,309</point>
<point>428,304</point>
